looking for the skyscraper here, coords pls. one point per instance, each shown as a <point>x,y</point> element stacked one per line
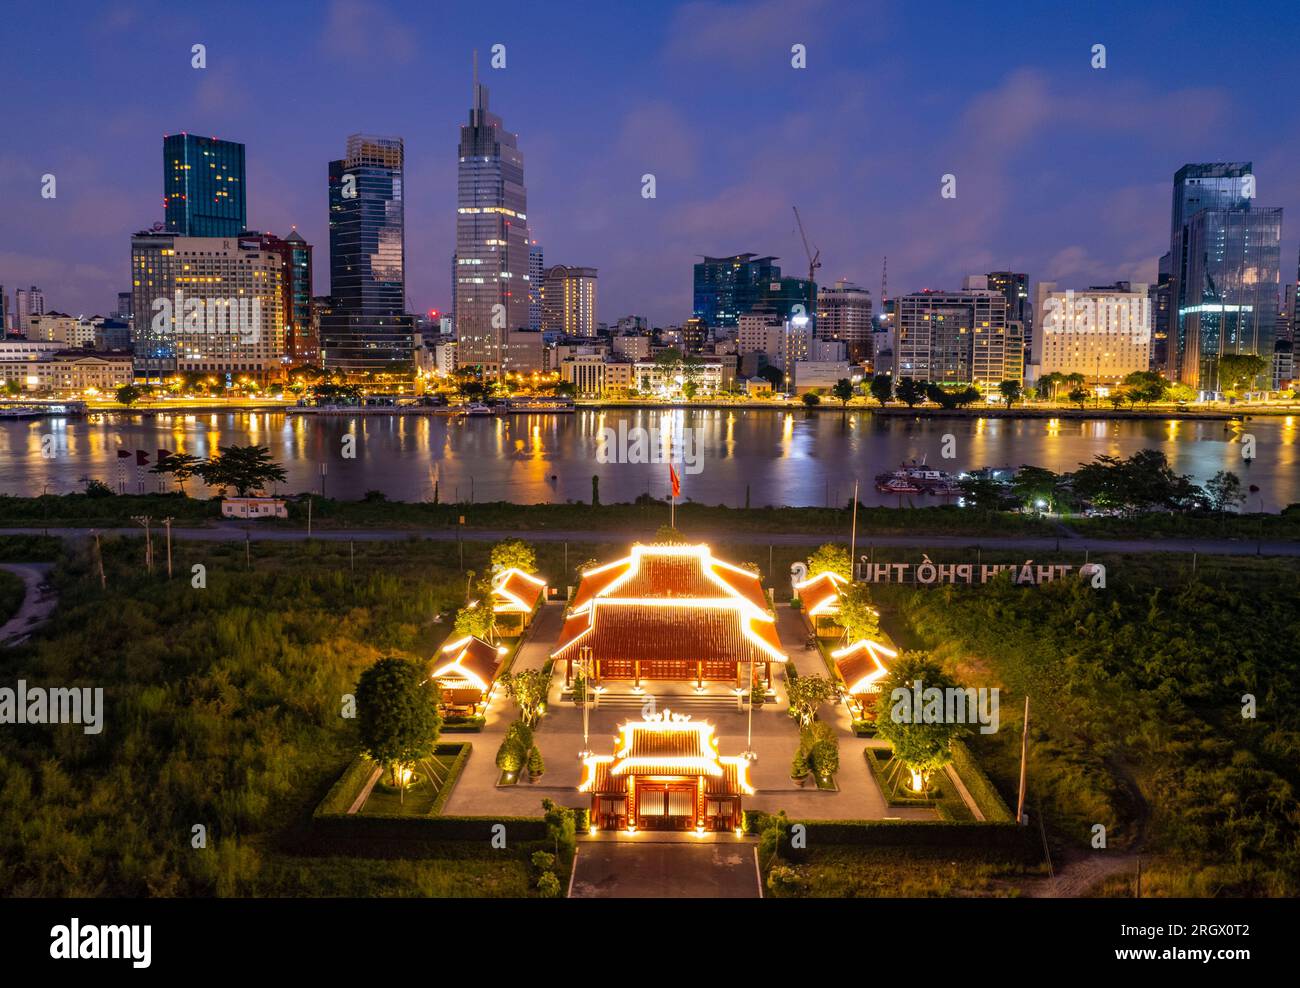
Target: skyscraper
<point>535,270</point>
<point>492,251</point>
<point>569,300</point>
<point>203,186</point>
<point>28,302</point>
<point>953,338</point>
<point>727,287</point>
<point>367,328</point>
<point>1223,271</point>
<point>301,345</point>
<point>1014,286</point>
<point>844,314</point>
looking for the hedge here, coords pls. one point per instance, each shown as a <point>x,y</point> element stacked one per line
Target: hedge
<point>957,835</point>
<point>384,836</point>
<point>982,790</point>
<point>453,775</point>
<point>344,791</point>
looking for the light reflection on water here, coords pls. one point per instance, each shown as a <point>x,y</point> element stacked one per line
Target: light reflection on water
<point>796,458</point>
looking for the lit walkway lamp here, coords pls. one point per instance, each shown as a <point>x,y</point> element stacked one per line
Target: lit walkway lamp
<point>585,664</point>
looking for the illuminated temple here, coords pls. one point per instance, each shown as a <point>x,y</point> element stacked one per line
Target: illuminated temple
<point>670,612</point>
<point>666,774</point>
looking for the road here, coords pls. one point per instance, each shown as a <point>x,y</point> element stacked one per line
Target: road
<point>226,532</point>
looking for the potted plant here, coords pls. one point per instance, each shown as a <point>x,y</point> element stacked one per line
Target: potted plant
<point>535,764</point>
<point>799,767</point>
<point>579,690</point>
<point>757,695</point>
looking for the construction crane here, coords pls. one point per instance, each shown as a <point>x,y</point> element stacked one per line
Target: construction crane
<point>814,260</point>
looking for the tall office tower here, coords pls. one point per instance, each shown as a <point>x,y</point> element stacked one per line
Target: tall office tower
<point>301,345</point>
<point>728,287</point>
<point>1224,271</point>
<point>209,305</point>
<point>535,272</point>
<point>569,300</point>
<point>4,311</point>
<point>694,333</point>
<point>367,329</point>
<point>28,302</point>
<point>123,311</point>
<point>492,250</point>
<point>1014,286</point>
<point>936,336</point>
<point>203,186</point>
<point>1103,333</point>
<point>844,314</point>
<point>1160,309</point>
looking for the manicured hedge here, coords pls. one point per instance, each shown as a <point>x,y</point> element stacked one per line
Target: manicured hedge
<point>344,791</point>
<point>463,725</point>
<point>453,774</point>
<point>956,835</point>
<point>982,790</point>
<point>404,836</point>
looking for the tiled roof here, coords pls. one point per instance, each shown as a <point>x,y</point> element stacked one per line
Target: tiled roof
<point>685,743</point>
<point>820,594</point>
<point>860,664</point>
<point>517,591</point>
<point>469,659</point>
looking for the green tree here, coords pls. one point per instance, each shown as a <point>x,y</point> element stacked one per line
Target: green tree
<point>513,554</point>
<point>843,390</point>
<point>475,619</point>
<point>830,558</point>
<point>1036,487</point>
<point>811,399</point>
<point>528,689</point>
<point>909,391</point>
<point>857,615</point>
<point>1238,372</point>
<point>983,493</point>
<point>1080,395</point>
<point>1048,385</point>
<point>245,468</point>
<point>882,388</point>
<point>667,535</point>
<point>181,466</point>
<point>1224,491</point>
<point>1011,392</point>
<point>397,715</point>
<point>923,747</point>
<point>129,394</point>
<point>806,694</point>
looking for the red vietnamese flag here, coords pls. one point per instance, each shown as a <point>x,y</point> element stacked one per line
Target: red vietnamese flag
<point>677,481</point>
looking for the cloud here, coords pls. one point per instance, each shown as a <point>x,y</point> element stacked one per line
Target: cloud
<point>363,30</point>
<point>743,33</point>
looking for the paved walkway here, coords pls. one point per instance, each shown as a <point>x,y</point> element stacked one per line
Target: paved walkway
<point>36,606</point>
<point>223,532</point>
<point>725,869</point>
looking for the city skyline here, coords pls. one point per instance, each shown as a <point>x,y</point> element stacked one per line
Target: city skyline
<point>1062,170</point>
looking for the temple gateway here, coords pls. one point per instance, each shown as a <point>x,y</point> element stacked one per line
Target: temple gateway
<point>666,774</point>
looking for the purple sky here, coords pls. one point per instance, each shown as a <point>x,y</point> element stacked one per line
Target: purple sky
<point>1062,170</point>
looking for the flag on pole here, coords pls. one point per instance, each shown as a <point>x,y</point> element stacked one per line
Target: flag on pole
<point>677,481</point>
<point>123,454</point>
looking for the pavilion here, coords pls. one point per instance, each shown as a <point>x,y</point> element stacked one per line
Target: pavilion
<point>666,774</point>
<point>861,669</point>
<point>670,612</point>
<point>819,600</point>
<point>515,598</point>
<point>468,674</point>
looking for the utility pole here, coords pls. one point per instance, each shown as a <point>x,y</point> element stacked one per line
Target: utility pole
<point>167,523</point>
<point>144,521</point>
<point>1024,758</point>
<point>853,532</point>
<point>99,563</point>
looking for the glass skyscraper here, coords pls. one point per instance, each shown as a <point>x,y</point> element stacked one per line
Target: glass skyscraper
<point>203,186</point>
<point>728,287</point>
<point>1224,272</point>
<point>368,329</point>
<point>493,261</point>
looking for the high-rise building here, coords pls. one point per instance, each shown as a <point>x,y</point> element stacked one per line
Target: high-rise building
<point>367,329</point>
<point>492,250</point>
<point>1014,286</point>
<point>211,305</point>
<point>569,300</point>
<point>1160,308</point>
<point>1103,333</point>
<point>535,271</point>
<point>4,311</point>
<point>694,333</point>
<point>203,186</point>
<point>123,311</point>
<point>951,338</point>
<point>28,302</point>
<point>1230,296</point>
<point>726,288</point>
<point>1224,271</point>
<point>844,314</point>
<point>301,345</point>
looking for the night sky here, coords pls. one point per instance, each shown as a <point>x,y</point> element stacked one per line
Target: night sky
<point>1062,170</point>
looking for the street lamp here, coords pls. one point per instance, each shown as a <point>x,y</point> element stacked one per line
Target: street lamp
<point>749,754</point>
<point>584,659</point>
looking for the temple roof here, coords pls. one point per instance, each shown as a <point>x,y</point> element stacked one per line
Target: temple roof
<point>671,602</point>
<point>668,746</point>
<point>860,664</point>
<point>820,594</point>
<point>468,662</point>
<point>516,591</point>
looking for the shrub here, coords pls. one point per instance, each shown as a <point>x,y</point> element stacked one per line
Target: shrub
<point>561,829</point>
<point>784,881</point>
<point>515,747</point>
<point>543,860</point>
<point>825,757</point>
<point>535,764</point>
<point>548,886</point>
<point>799,767</point>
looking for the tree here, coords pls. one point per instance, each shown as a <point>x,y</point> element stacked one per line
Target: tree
<point>811,399</point>
<point>528,689</point>
<point>397,715</point>
<point>858,618</point>
<point>245,468</point>
<point>1011,392</point>
<point>1049,383</point>
<point>1238,371</point>
<point>882,388</point>
<point>1036,487</point>
<point>1080,395</point>
<point>1143,482</point>
<point>909,391</point>
<point>474,619</point>
<point>843,390</point>
<point>983,493</point>
<point>667,535</point>
<point>1224,491</point>
<point>513,554</point>
<point>515,746</point>
<point>181,466</point>
<point>772,375</point>
<point>806,694</point>
<point>940,396</point>
<point>831,558</point>
<point>129,394</point>
<point>923,747</point>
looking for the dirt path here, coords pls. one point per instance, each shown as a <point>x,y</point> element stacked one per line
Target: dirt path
<point>36,606</point>
<point>1078,877</point>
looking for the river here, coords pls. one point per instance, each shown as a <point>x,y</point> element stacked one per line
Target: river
<point>784,458</point>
